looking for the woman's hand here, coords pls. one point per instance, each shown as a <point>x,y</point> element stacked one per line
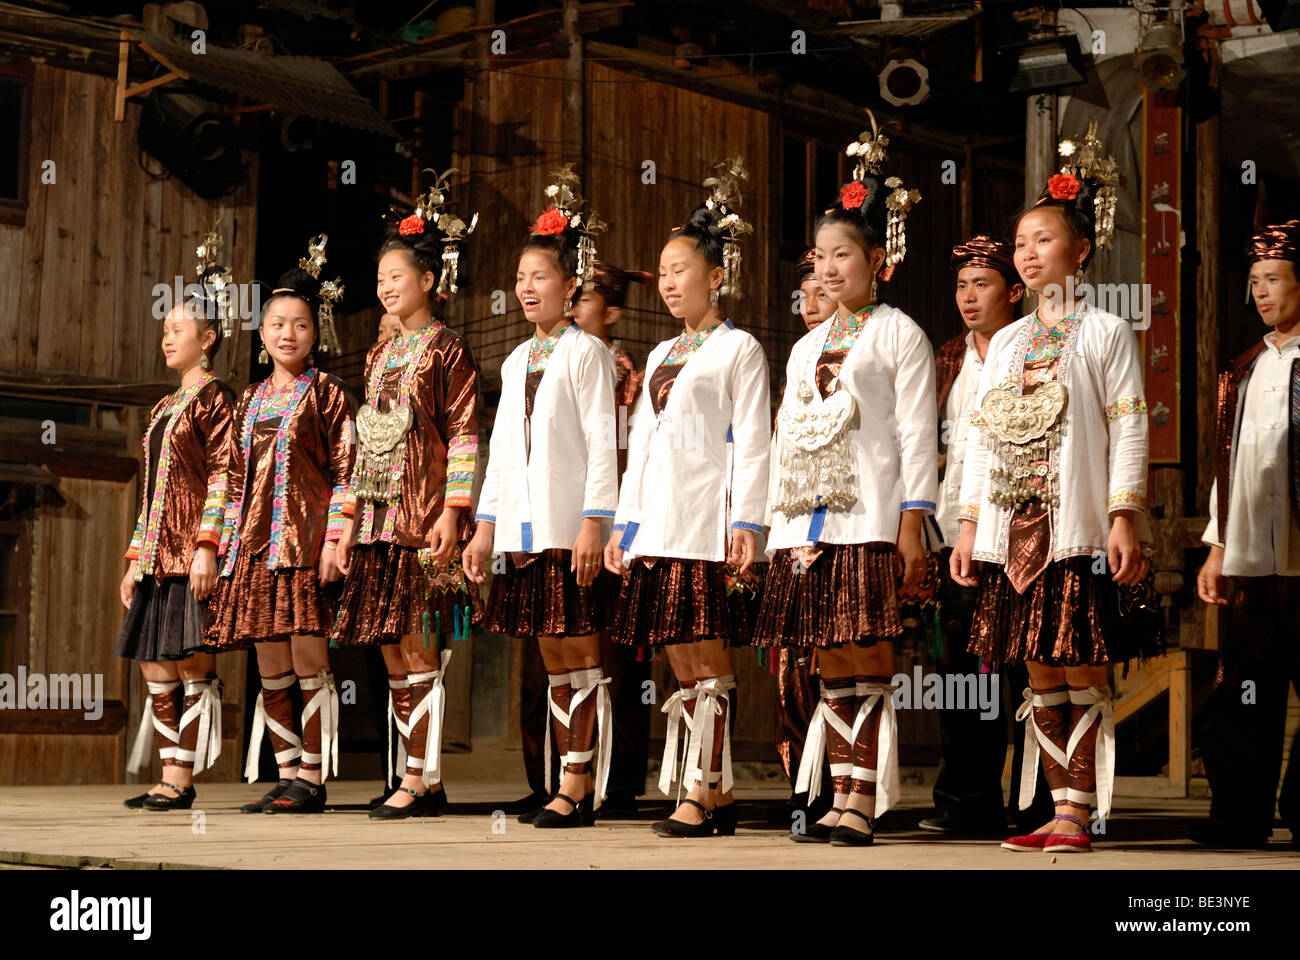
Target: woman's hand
<point>1123,551</point>
<point>203,571</point>
<point>477,551</point>
<point>343,548</point>
<point>329,568</point>
<point>911,552</point>
<point>127,589</point>
<point>586,557</point>
<point>1210,583</point>
<point>614,553</point>
<point>742,550</point>
<point>442,539</point>
<point>960,565</point>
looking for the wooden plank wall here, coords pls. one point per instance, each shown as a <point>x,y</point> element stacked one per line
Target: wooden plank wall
<point>76,283</point>
<point>76,298</point>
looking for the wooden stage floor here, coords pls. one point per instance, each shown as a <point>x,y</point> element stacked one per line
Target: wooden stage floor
<point>86,826</point>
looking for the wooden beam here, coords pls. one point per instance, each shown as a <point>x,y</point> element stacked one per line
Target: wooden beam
<point>66,722</point>
<point>123,55</point>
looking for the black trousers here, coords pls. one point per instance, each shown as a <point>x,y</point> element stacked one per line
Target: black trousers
<point>974,749</point>
<point>1245,719</point>
<point>631,749</point>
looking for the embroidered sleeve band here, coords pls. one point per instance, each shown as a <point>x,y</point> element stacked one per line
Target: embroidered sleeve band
<point>1126,500</point>
<point>343,504</point>
<point>742,525</point>
<point>969,511</point>
<point>229,521</point>
<point>214,511</point>
<point>917,505</point>
<point>597,513</point>
<point>462,454</point>
<point>1124,406</point>
<point>133,551</point>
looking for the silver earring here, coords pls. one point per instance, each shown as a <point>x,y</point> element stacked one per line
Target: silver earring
<point>713,297</point>
<point>203,362</point>
<point>1078,276</point>
<point>873,288</point>
<point>568,306</point>
<point>262,357</point>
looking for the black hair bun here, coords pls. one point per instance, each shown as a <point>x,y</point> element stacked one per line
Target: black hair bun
<point>299,283</point>
<point>424,246</point>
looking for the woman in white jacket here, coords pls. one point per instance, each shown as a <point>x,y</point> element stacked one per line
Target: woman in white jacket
<point>687,491</point>
<point>548,497</point>
<point>1054,503</point>
<point>855,474</point>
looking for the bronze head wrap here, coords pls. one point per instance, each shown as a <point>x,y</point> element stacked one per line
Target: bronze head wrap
<point>1280,241</point>
<point>805,267</point>
<point>985,251</point>
<point>611,282</point>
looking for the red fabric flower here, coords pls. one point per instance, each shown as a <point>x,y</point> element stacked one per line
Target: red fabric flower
<point>412,224</point>
<point>852,195</point>
<point>1063,186</point>
<point>551,222</point>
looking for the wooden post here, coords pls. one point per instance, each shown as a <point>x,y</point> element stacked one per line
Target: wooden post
<point>123,56</point>
<point>574,130</point>
<point>1180,726</point>
<point>1207,282</point>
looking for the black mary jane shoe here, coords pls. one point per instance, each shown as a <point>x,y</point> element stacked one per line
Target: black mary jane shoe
<point>680,828</point>
<point>137,803</point>
<point>579,816</point>
<point>257,806</point>
<point>160,801</point>
<point>386,811</point>
<point>816,832</point>
<point>845,836</point>
<point>433,803</point>
<point>301,796</point>
<point>725,819</point>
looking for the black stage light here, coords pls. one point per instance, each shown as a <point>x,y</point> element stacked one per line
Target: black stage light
<point>194,139</point>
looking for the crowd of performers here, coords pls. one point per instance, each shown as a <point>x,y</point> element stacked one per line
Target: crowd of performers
<point>1008,470</point>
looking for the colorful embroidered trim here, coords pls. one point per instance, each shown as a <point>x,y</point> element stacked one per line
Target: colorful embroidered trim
<point>409,351</point>
<point>286,401</point>
<point>540,350</point>
<point>916,505</point>
<point>1126,500</point>
<point>343,504</point>
<point>687,344</point>
<point>148,542</point>
<point>844,330</point>
<point>743,525</point>
<point>1124,406</point>
<point>969,511</point>
<point>462,457</point>
<point>977,417</point>
<point>598,513</point>
<point>214,511</point>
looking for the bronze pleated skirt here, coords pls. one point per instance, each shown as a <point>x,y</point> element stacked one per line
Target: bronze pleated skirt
<point>256,605</point>
<point>543,599</point>
<point>848,595</point>
<point>387,593</point>
<point>1068,617</point>
<point>164,621</point>
<point>673,601</point>
<point>745,600</point>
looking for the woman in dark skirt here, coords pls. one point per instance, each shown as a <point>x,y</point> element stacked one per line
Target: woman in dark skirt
<point>696,478</point>
<point>291,464</point>
<point>175,546</point>
<point>548,497</point>
<point>1054,502</point>
<point>413,479</point>
<point>854,475</point>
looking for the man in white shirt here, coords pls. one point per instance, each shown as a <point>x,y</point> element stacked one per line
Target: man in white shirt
<point>968,789</point>
<point>1254,564</point>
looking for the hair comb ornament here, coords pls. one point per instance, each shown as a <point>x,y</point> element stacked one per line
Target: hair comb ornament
<point>331,291</point>
<point>861,192</point>
<point>724,196</point>
<point>215,277</point>
<point>569,211</point>
<point>1084,158</point>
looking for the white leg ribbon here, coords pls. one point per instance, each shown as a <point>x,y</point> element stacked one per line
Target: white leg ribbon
<point>206,712</point>
<point>1034,737</point>
<point>587,683</point>
<point>261,720</point>
<point>708,705</point>
<point>324,700</point>
<point>149,723</point>
<point>434,703</point>
<point>675,708</point>
<point>809,778</point>
<point>554,680</point>
<point>1100,709</point>
<point>888,786</point>
<point>403,729</point>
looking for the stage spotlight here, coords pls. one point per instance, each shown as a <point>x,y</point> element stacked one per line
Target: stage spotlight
<point>192,138</point>
<point>1159,57</point>
<point>905,82</point>
<point>1045,64</point>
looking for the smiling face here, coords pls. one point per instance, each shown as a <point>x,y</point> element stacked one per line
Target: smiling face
<point>402,287</point>
<point>288,331</point>
<point>1046,251</point>
<point>1276,291</point>
<point>541,288</point>
<point>844,267</point>
<point>984,300</point>
<point>592,315</point>
<point>182,343</point>
<point>685,279</point>
<point>816,306</point>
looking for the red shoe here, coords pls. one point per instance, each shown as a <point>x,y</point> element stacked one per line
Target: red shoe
<point>1026,842</point>
<point>1069,842</point>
